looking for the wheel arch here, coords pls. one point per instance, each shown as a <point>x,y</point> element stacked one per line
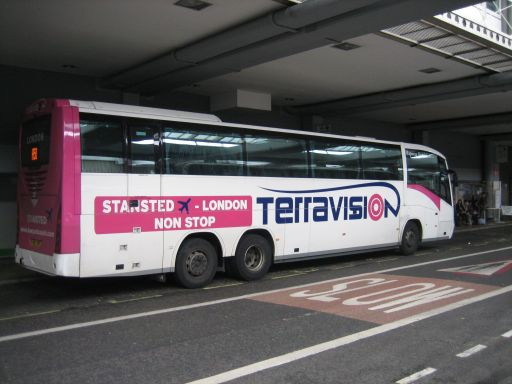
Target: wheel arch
<point>418,225</point>
<point>263,233</point>
<point>415,221</point>
<point>212,238</point>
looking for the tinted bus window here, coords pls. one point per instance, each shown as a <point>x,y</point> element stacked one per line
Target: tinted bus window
<point>144,147</point>
<point>428,170</point>
<point>102,140</point>
<point>202,150</point>
<point>381,162</point>
<point>35,142</point>
<point>274,156</point>
<point>335,159</point>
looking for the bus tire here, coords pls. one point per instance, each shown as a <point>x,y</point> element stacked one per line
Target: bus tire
<point>410,239</point>
<point>196,263</point>
<point>252,259</point>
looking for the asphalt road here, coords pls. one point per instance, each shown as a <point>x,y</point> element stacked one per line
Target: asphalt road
<point>443,315</point>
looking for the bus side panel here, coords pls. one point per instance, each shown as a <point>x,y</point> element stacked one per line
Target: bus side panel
<point>351,224</point>
<point>420,207</point>
<point>144,251</point>
<point>100,253</point>
<point>446,221</point>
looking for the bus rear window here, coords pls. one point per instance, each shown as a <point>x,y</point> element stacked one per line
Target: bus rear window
<point>35,142</point>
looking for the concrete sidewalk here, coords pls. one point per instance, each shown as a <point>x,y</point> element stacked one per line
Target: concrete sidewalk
<point>478,227</point>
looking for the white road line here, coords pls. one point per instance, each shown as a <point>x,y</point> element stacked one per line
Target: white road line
<point>416,376</point>
<point>114,301</point>
<point>226,300</point>
<point>30,315</point>
<point>287,276</point>
<point>507,334</point>
<point>222,286</point>
<point>471,351</point>
<point>336,343</point>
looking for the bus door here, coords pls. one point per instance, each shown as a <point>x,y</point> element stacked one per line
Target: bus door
<point>428,193</point>
<point>145,248</point>
<point>446,214</point>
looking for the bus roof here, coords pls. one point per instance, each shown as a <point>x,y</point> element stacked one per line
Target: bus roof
<point>136,111</point>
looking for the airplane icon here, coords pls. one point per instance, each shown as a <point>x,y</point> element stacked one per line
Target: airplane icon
<point>184,205</point>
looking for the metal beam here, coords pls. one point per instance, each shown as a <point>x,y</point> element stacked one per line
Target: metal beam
<point>302,27</point>
<point>454,89</point>
<point>501,119</point>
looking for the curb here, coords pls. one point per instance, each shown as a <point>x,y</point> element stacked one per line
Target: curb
<point>478,227</point>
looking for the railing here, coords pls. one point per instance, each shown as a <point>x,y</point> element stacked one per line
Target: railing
<point>478,29</point>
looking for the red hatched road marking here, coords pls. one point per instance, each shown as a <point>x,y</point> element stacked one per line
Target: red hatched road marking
<point>484,269</point>
<point>378,298</point>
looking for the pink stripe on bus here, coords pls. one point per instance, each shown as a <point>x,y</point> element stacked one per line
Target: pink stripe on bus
<point>431,195</point>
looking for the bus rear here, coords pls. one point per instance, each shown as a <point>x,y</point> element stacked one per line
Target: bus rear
<point>49,189</point>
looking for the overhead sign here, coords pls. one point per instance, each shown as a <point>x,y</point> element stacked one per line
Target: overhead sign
<point>485,269</point>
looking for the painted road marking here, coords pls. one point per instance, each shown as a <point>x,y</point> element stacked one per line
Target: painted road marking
<point>471,351</point>
<point>416,376</point>
<point>507,334</point>
<point>345,340</point>
<point>424,253</point>
<point>114,301</point>
<point>226,300</point>
<point>349,265</point>
<point>383,260</point>
<point>484,269</point>
<point>222,286</point>
<point>296,272</point>
<point>30,315</point>
<point>289,275</point>
<point>378,298</point>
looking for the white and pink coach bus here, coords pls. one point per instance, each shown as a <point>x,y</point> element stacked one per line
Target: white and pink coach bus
<point>113,190</point>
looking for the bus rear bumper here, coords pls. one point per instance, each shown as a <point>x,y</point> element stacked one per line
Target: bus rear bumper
<point>67,265</point>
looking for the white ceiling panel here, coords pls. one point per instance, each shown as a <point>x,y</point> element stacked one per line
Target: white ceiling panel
<point>101,37</point>
<point>328,73</point>
<point>448,109</point>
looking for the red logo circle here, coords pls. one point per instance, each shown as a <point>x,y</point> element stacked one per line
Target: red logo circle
<point>375,207</point>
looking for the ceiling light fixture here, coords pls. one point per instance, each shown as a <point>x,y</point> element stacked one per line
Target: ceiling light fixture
<point>346,46</point>
<point>196,5</point>
<point>290,2</point>
<point>430,70</point>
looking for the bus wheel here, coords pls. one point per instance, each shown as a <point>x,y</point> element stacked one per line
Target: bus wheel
<point>252,258</point>
<point>196,263</point>
<point>410,239</point>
